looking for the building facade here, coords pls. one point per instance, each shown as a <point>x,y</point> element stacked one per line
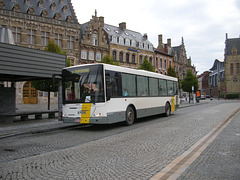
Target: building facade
<point>164,56</point>
<point>35,22</point>
<point>94,44</point>
<point>181,63</point>
<point>128,47</point>
<point>217,78</point>
<point>232,65</point>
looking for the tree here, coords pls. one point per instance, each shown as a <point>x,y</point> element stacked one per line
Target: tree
<point>108,60</point>
<point>189,81</point>
<point>171,72</point>
<point>47,85</point>
<point>146,65</point>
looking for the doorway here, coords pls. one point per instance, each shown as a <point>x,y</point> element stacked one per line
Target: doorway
<point>30,94</point>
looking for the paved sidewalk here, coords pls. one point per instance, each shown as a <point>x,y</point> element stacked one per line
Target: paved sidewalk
<point>45,124</point>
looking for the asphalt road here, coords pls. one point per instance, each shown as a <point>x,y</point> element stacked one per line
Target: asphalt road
<point>140,151</point>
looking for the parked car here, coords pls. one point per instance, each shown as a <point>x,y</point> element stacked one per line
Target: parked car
<point>203,96</point>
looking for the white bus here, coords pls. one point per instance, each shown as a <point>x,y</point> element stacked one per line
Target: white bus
<point>105,94</point>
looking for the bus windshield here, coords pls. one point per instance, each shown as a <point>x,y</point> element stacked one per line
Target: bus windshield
<point>83,84</point>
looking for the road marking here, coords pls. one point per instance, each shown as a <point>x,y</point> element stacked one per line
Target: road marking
<point>174,169</point>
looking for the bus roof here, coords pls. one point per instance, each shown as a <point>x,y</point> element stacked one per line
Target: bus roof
<point>128,70</point>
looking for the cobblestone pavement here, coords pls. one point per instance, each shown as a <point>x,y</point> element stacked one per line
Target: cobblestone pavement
<point>140,153</point>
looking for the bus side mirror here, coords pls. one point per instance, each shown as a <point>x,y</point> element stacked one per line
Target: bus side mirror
<point>108,94</point>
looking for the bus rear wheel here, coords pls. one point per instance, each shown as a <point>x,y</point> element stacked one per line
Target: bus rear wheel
<point>130,116</point>
<point>167,110</point>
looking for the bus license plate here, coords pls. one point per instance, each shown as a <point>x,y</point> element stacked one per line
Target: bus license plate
<point>78,120</point>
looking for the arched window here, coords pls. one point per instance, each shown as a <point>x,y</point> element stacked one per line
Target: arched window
<point>114,55</point>
<point>95,38</point>
<point>140,59</point>
<point>121,56</point>
<point>133,58</point>
<point>127,57</point>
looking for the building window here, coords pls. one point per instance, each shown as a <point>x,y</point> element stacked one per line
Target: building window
<point>58,40</point>
<point>70,42</point>
<point>231,69</point>
<point>114,55</point>
<point>16,34</point>
<point>156,62</point>
<point>140,59</point>
<point>83,54</point>
<point>98,56</point>
<point>91,55</point>
<point>95,40</point>
<point>127,57</point>
<point>165,64</point>
<point>161,63</point>
<point>31,36</point>
<point>44,38</point>
<point>238,69</point>
<point>133,58</point>
<point>150,59</point>
<point>121,56</point>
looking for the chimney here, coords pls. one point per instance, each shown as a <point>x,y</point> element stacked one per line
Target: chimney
<point>123,25</point>
<point>169,42</point>
<point>145,36</point>
<point>159,39</point>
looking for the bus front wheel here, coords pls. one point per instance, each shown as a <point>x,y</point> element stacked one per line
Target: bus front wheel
<point>130,116</point>
<point>167,110</point>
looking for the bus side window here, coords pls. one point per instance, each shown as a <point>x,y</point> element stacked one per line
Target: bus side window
<point>113,82</point>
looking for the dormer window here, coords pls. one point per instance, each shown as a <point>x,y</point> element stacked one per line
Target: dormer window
<point>2,5</point>
<point>116,31</point>
<point>61,1</point>
<point>40,3</point>
<point>44,13</point>
<point>69,18</point>
<point>53,6</point>
<point>30,10</point>
<point>234,50</point>
<point>108,29</point>
<point>16,7</point>
<point>57,16</point>
<point>27,2</point>
<point>65,8</point>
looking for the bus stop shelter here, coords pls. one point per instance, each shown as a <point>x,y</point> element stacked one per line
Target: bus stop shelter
<point>25,64</point>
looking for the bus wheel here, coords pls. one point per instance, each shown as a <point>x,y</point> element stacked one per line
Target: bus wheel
<point>130,116</point>
<point>167,109</point>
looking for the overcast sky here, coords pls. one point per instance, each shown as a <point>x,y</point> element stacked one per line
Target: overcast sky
<point>202,23</point>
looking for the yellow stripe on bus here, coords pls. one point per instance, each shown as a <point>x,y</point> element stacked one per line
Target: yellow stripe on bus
<point>173,104</point>
<point>85,113</point>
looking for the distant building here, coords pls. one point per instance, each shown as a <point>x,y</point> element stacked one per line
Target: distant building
<point>164,56</point>
<point>216,78</point>
<point>203,82</point>
<point>181,63</point>
<point>94,43</point>
<point>128,47</point>
<point>232,65</point>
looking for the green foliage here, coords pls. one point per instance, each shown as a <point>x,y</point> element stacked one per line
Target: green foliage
<point>146,65</point>
<point>232,96</point>
<point>52,47</point>
<point>45,85</point>
<point>109,60</point>
<point>171,72</point>
<point>189,81</point>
